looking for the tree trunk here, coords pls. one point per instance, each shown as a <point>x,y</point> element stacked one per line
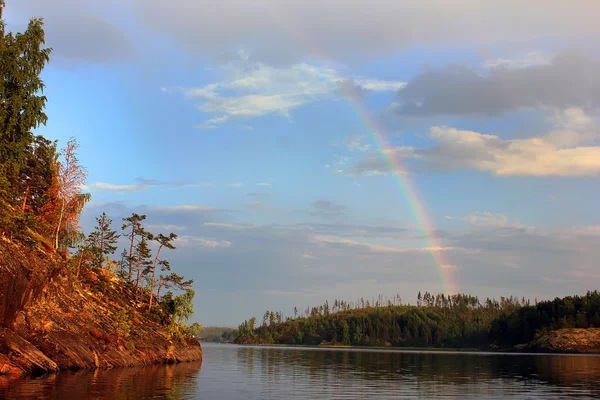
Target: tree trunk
<point>60,218</point>
<point>137,281</point>
<point>79,264</point>
<point>24,205</point>
<point>153,278</point>
<point>160,285</point>
<point>101,248</point>
<point>131,254</point>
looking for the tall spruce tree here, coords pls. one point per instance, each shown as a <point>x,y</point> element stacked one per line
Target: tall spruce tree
<point>22,59</point>
<point>103,239</point>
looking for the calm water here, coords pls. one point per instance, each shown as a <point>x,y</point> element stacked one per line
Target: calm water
<point>231,372</point>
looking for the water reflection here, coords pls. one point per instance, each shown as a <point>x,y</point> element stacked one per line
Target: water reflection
<point>231,372</point>
<point>165,382</point>
<point>425,374</point>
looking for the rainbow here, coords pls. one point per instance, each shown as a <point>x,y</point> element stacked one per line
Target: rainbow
<point>401,177</point>
<point>409,193</point>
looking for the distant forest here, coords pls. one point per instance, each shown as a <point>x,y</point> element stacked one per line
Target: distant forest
<point>217,334</point>
<point>456,321</point>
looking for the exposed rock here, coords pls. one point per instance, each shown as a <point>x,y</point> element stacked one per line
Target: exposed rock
<point>568,341</point>
<point>50,321</point>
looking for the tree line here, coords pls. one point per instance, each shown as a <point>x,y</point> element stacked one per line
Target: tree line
<point>147,272</point>
<point>435,321</point>
<point>42,189</point>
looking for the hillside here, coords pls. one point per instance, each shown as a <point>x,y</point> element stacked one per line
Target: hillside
<point>51,319</point>
<point>217,334</point>
<point>569,324</point>
<point>459,321</point>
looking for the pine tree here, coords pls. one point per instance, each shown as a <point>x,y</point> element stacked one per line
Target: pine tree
<point>134,223</point>
<point>163,241</point>
<point>173,280</point>
<point>123,265</point>
<point>142,255</point>
<point>103,239</point>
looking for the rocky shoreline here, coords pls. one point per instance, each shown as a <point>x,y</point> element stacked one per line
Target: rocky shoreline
<point>51,321</point>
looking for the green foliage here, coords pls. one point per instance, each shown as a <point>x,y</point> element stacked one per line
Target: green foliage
<point>182,310</point>
<point>438,321</point>
<point>102,241</point>
<point>194,329</point>
<point>134,224</point>
<point>22,59</point>
<point>142,258</point>
<point>522,325</point>
<point>130,346</point>
<point>441,321</point>
<point>184,306</point>
<point>218,334</point>
<point>121,324</point>
<point>26,160</point>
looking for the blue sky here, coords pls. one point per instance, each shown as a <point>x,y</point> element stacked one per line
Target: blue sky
<point>230,123</point>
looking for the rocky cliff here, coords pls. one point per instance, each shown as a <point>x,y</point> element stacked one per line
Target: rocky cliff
<point>51,320</point>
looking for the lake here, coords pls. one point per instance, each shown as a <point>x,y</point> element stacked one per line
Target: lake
<point>247,372</point>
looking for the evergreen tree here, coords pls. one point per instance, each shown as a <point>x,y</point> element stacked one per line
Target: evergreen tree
<point>22,59</point>
<point>163,241</point>
<point>142,255</point>
<point>103,239</point>
<point>134,224</point>
<point>173,280</point>
<point>123,265</point>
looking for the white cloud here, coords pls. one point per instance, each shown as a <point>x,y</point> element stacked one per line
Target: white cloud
<point>165,227</point>
<point>491,219</point>
<point>264,184</point>
<point>567,150</point>
<point>255,90</point>
<point>236,227</point>
<point>376,85</point>
<point>309,256</point>
<point>379,248</point>
<point>120,188</point>
<point>531,59</point>
<point>356,143</point>
<point>235,184</point>
<point>556,154</point>
<point>185,207</point>
<point>213,244</point>
<point>192,242</point>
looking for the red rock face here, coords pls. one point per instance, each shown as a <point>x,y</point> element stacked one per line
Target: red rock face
<point>51,321</point>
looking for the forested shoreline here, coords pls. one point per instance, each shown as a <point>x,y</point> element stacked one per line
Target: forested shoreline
<point>440,321</point>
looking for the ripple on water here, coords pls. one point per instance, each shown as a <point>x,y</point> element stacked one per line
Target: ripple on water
<point>247,372</point>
